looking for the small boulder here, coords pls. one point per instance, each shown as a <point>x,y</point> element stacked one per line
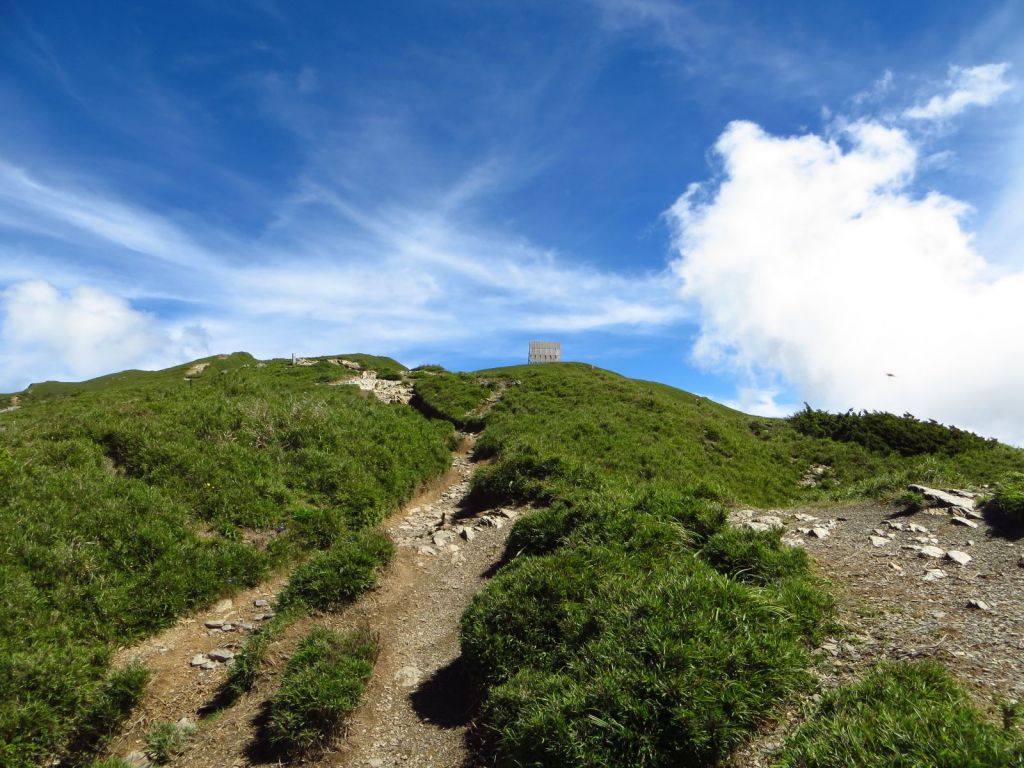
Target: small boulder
<point>468,534</point>
<point>963,521</point>
<point>931,551</point>
<point>221,654</point>
<point>261,603</point>
<point>199,659</point>
<point>214,624</point>
<point>934,574</point>
<point>980,605</point>
<point>820,533</point>
<point>879,541</point>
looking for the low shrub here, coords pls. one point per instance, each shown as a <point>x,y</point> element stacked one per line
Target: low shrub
<point>594,657</point>
<point>323,682</point>
<point>757,557</point>
<point>455,397</point>
<point>335,577</point>
<point>902,715</point>
<point>1008,498</point>
<point>109,708</point>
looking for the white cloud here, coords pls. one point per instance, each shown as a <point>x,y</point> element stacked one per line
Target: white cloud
<point>813,260</point>
<point>80,334</point>
<point>967,87</point>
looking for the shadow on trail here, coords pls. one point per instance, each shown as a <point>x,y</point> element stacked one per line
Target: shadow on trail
<point>446,699</point>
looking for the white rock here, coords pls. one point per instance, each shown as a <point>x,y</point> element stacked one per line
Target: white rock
<point>804,518</point>
<point>963,521</point>
<point>756,525</point>
<point>820,533</point>
<point>430,551</point>
<point>199,659</point>
<point>934,574</point>
<point>261,603</point>
<point>915,528</point>
<point>956,500</point>
<point>961,558</point>
<point>772,521</point>
<point>931,551</point>
<point>981,605</point>
<point>879,541</point>
<point>896,525</point>
<point>468,534</point>
<point>896,567</point>
<point>407,677</point>
<point>221,654</point>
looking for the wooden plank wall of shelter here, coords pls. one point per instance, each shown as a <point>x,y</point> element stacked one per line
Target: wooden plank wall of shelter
<point>545,351</point>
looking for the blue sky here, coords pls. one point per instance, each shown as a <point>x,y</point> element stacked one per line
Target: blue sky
<point>764,206</point>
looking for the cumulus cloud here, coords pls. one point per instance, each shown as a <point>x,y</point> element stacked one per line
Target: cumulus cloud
<point>966,87</point>
<point>83,333</point>
<point>814,263</point>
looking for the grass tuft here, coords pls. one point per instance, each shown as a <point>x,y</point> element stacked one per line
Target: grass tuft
<point>322,684</point>
<point>903,715</point>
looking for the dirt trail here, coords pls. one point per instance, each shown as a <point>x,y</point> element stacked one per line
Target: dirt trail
<point>415,710</point>
<point>896,602</point>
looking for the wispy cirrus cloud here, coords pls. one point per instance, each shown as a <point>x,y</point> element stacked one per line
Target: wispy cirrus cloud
<point>965,87</point>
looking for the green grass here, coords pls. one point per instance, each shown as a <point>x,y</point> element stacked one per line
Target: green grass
<point>335,577</point>
<point>455,397</point>
<point>631,627</point>
<point>905,715</point>
<point>166,740</point>
<point>132,499</point>
<point>322,684</point>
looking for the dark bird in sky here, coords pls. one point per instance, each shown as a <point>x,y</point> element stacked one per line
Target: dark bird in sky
<point>891,375</point>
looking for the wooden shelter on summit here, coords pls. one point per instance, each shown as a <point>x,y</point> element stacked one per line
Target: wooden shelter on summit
<point>545,352</point>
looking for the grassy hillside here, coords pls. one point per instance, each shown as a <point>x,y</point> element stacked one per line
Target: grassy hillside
<point>632,627</point>
<point>130,499</point>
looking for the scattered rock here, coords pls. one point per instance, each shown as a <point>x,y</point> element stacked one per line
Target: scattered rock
<point>820,533</point>
<point>879,541</point>
<point>896,567</point>
<point>804,518</point>
<point>261,603</point>
<point>264,616</point>
<point>961,558</point>
<point>955,520</point>
<point>931,551</point>
<point>468,534</point>
<point>221,654</point>
<point>915,528</point>
<point>981,605</point>
<point>199,659</point>
<point>934,574</point>
<point>430,551</point>
<point>214,624</point>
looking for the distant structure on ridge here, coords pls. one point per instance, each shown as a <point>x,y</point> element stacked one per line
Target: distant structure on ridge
<point>545,351</point>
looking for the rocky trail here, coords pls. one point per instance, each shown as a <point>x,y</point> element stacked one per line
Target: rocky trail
<point>415,711</point>
<point>942,583</point>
